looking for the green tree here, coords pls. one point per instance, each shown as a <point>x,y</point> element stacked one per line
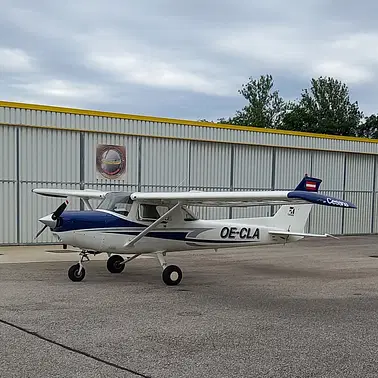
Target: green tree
<point>325,108</point>
<point>368,128</point>
<point>265,107</point>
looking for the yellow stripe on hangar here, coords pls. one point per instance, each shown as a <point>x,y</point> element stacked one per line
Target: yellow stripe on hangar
<point>134,117</point>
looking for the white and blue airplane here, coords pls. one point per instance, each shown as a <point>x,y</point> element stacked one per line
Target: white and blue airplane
<point>159,222</point>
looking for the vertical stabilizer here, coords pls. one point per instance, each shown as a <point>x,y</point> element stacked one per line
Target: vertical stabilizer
<point>294,217</point>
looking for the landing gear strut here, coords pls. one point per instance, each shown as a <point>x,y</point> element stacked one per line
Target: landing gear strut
<point>172,274</point>
<point>76,272</point>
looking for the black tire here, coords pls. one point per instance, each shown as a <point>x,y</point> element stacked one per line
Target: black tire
<point>114,264</point>
<point>172,275</point>
<point>73,273</point>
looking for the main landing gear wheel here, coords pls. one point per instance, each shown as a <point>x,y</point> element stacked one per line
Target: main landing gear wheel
<point>114,264</point>
<point>172,275</point>
<point>74,274</point>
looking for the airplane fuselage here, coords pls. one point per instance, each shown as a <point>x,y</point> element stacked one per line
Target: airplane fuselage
<point>104,231</point>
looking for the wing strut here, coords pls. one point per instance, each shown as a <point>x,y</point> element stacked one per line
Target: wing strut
<point>150,227</point>
<point>86,201</point>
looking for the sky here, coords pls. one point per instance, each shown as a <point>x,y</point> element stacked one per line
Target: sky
<point>182,59</point>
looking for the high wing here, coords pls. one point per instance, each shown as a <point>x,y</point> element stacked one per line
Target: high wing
<point>237,199</point>
<point>64,193</point>
<point>85,195</point>
<point>305,192</point>
<point>230,198</point>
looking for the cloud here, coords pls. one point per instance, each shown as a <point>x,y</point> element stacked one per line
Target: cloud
<point>182,59</point>
<point>15,60</point>
<point>154,72</point>
<point>62,89</point>
<point>348,58</point>
<point>348,73</point>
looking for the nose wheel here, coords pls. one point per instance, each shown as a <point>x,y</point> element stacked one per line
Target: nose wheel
<point>76,272</point>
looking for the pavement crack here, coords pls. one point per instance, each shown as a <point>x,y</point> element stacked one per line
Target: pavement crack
<point>74,350</point>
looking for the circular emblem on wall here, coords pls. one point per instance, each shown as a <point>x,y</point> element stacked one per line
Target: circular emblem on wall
<point>111,161</point>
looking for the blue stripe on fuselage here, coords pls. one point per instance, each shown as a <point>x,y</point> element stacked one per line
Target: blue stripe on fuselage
<point>180,236</point>
<point>88,219</point>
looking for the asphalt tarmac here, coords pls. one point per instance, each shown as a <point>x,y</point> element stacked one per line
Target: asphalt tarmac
<point>308,309</point>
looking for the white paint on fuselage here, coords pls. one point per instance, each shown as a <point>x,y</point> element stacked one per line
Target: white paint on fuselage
<point>201,234</point>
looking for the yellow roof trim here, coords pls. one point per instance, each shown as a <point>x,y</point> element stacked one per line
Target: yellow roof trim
<point>97,113</point>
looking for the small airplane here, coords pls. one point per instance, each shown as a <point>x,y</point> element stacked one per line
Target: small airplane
<point>138,223</point>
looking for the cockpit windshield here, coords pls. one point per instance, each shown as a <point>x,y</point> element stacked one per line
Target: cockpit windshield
<point>117,202</point>
<point>120,202</point>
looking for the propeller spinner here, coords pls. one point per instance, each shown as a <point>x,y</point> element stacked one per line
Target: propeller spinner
<point>51,220</point>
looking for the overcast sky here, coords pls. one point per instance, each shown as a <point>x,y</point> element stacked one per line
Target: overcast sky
<point>183,59</point>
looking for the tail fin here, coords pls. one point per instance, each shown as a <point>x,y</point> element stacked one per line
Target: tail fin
<point>295,217</point>
<point>292,217</point>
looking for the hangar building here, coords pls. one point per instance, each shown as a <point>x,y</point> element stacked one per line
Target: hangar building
<point>46,146</point>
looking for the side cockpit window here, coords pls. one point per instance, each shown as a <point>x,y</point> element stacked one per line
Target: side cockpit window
<point>122,208</point>
<point>151,212</point>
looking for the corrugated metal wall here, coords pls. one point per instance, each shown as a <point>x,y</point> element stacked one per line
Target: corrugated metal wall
<point>174,129</point>
<point>8,185</point>
<point>47,157</point>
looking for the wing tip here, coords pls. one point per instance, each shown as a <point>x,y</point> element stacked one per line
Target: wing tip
<point>64,193</point>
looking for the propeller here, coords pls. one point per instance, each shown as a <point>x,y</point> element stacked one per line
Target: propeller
<point>54,216</point>
<point>40,231</point>
<point>59,211</point>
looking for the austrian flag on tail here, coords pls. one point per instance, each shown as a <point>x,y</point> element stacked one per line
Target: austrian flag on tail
<point>310,185</point>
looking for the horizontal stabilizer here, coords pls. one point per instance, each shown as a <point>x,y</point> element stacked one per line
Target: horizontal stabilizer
<point>288,233</point>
